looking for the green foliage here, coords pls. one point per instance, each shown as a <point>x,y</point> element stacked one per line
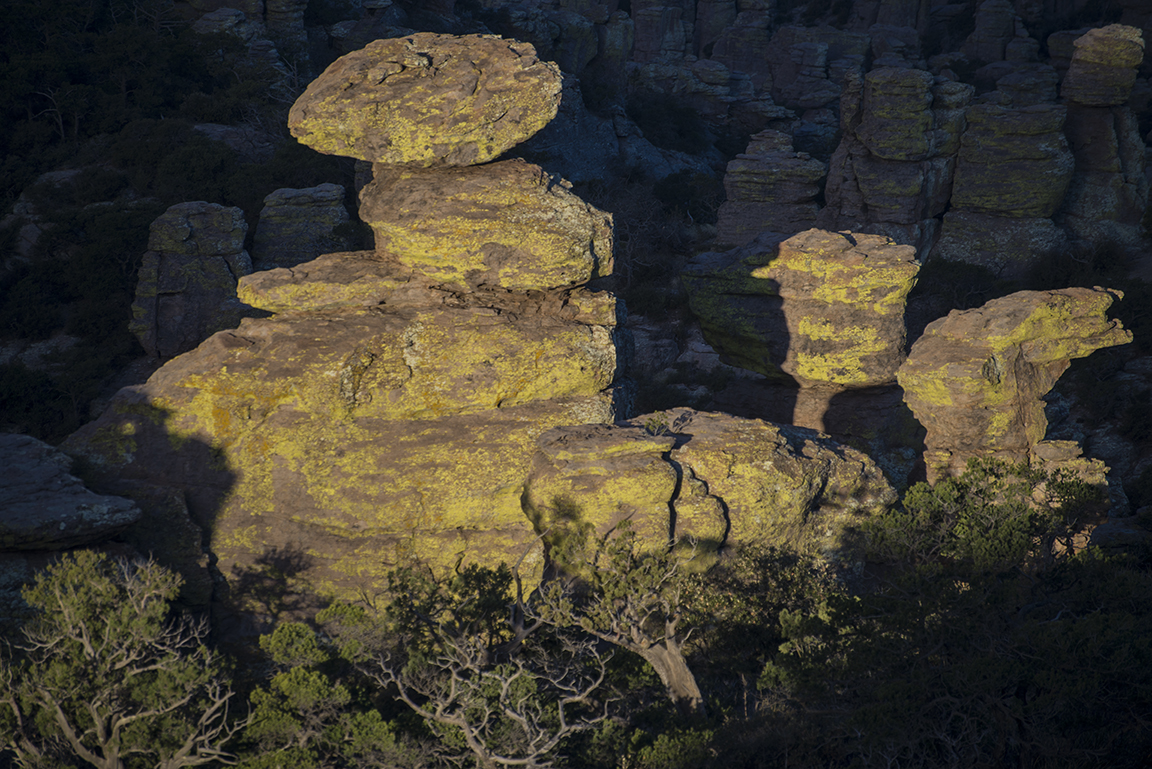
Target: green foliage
<point>315,712</point>
<point>103,674</point>
<point>986,519</point>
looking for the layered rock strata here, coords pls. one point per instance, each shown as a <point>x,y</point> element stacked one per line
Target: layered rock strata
<point>186,290</point>
<point>769,187</point>
<point>1109,191</point>
<point>976,378</point>
<point>389,408</point>
<point>893,171</point>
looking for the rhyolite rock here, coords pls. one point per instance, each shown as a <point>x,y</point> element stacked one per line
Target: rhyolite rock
<point>428,100</point>
<point>44,507</point>
<point>1103,66</point>
<point>976,378</point>
<point>769,186</point>
<point>298,225</point>
<point>1007,245</point>
<point>818,308</point>
<point>186,290</point>
<point>506,224</point>
<point>705,478</point>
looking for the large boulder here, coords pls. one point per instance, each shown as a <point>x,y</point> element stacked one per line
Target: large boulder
<point>818,308</point>
<point>506,224</point>
<point>45,507</point>
<point>186,290</point>
<point>706,478</point>
<point>976,378</point>
<point>428,100</point>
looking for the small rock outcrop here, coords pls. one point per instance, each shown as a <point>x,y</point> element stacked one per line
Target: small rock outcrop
<point>819,308</point>
<point>976,378</point>
<point>186,290</point>
<point>45,507</point>
<point>424,100</point>
<point>298,225</point>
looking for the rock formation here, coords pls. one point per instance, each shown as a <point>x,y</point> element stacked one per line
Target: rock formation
<point>46,507</point>
<point>186,289</point>
<point>389,408</point>
<point>976,378</point>
<point>817,308</point>
<point>769,187</point>
<point>706,478</point>
<point>892,173</point>
<point>296,226</point>
<point>1109,191</point>
<point>423,101</point>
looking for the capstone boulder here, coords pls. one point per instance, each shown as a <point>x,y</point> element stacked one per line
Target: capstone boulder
<point>428,100</point>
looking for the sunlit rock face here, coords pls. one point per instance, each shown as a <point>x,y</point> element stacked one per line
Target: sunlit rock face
<point>428,100</point>
<point>186,289</point>
<point>819,308</point>
<point>705,479</point>
<point>976,378</point>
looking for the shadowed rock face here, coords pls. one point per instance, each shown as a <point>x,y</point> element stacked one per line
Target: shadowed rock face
<point>428,100</point>
<point>1103,67</point>
<point>976,378</point>
<point>187,285</point>
<point>297,225</point>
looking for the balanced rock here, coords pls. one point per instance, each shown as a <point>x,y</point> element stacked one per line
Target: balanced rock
<point>45,507</point>
<point>769,187</point>
<point>976,378</point>
<point>298,225</point>
<point>506,224</point>
<point>819,308</point>
<point>428,100</point>
<point>186,290</point>
<point>705,478</point>
<point>1103,67</point>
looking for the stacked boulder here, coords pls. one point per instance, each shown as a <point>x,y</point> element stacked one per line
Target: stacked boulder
<point>769,186</point>
<point>976,378</point>
<point>298,225</point>
<point>389,408</point>
<point>1109,191</point>
<point>893,171</point>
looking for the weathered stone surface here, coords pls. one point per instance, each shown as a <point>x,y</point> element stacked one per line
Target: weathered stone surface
<point>44,507</point>
<point>1008,246</point>
<point>1103,66</point>
<point>186,289</point>
<point>298,225</point>
<point>897,122</point>
<point>976,378</point>
<point>428,100</point>
<point>707,478</point>
<point>804,63</point>
<point>769,187</point>
<point>506,224</point>
<point>819,307</point>
<point>1013,162</point>
<point>1109,191</point>
<point>995,29</point>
